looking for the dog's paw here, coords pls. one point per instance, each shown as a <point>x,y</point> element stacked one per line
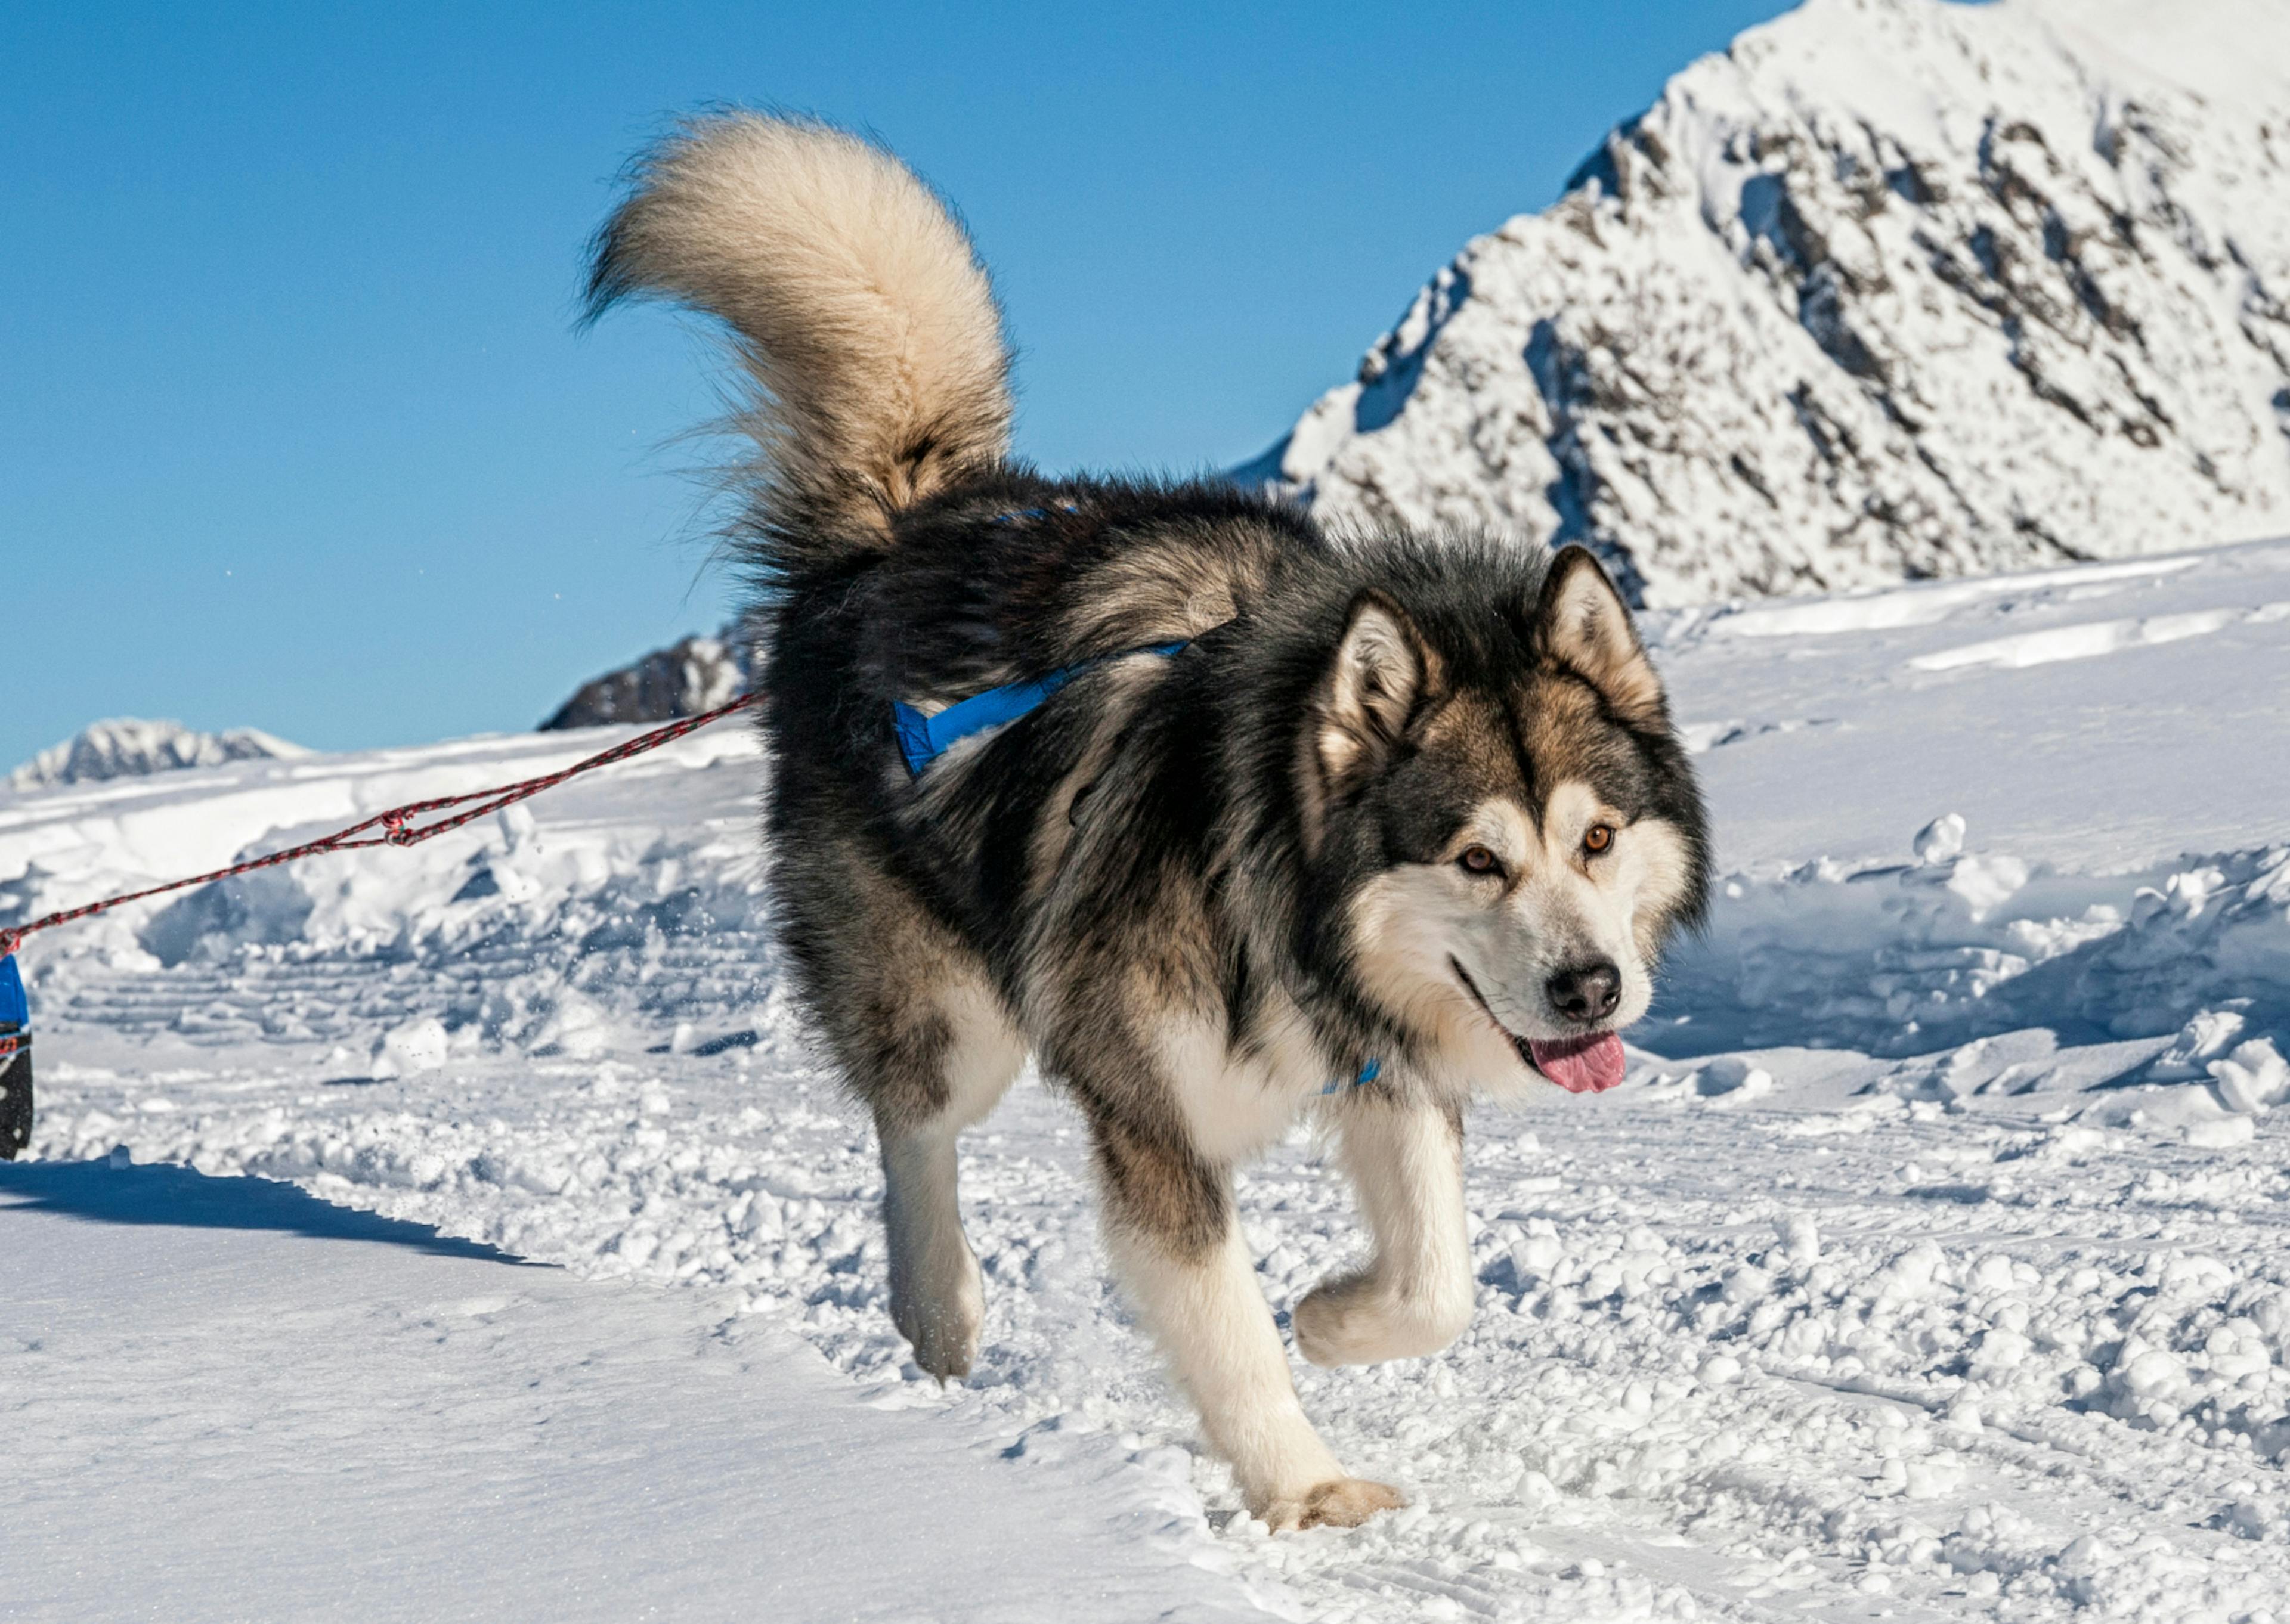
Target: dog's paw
<point>1329,1322</point>
<point>943,1324</point>
<point>1347,1321</point>
<point>944,1350</point>
<point>1341,1502</point>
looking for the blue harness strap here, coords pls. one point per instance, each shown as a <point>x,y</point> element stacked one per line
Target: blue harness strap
<point>923,739</point>
<point>1367,1074</point>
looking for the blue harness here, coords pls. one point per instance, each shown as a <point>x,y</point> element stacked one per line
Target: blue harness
<point>923,739</point>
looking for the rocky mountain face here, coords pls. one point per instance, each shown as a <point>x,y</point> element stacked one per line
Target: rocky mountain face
<point>696,675</point>
<point>1891,289</point>
<point>127,747</point>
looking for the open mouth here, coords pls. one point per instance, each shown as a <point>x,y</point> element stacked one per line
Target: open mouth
<point>1586,1065</point>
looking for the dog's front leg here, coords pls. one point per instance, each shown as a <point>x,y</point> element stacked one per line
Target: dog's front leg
<point>1177,1245</point>
<point>1415,1295</point>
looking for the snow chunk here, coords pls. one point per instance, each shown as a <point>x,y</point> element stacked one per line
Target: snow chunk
<point>1987,881</point>
<point>1940,839</point>
<point>411,1050</point>
<point>2253,1078</point>
<point>2205,1036</point>
<point>1733,1079</point>
<point>2223,1134</point>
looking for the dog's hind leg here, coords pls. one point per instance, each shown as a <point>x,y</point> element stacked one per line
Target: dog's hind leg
<point>937,1295</point>
<point>923,1038</point>
<point>1415,1295</point>
<point>1177,1245</point>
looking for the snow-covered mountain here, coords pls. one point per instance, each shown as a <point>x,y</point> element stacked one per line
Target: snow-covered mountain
<point>1890,289</point>
<point>695,675</point>
<point>126,747</point>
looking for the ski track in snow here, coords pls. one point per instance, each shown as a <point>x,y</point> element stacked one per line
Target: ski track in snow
<point>1931,1264</point>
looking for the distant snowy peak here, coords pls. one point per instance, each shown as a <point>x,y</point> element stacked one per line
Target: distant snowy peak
<point>128,747</point>
<point>1890,289</point>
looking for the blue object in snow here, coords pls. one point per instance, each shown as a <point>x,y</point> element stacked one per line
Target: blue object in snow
<point>15,1009</point>
<point>15,1061</point>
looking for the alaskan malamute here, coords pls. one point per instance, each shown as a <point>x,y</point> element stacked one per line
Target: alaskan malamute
<point>1225,818</point>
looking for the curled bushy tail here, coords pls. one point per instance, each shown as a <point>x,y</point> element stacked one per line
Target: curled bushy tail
<point>857,306</point>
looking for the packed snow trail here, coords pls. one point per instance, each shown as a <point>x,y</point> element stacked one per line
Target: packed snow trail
<point>1931,1264</point>
<point>234,1402</point>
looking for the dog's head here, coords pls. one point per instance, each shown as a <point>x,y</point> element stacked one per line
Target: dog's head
<point>1505,829</point>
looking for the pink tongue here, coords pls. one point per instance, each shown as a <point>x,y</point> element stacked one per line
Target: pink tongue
<point>1581,1064</point>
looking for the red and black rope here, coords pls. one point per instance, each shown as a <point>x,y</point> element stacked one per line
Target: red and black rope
<point>398,826</point>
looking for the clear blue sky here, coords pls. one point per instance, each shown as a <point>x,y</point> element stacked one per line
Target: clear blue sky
<point>295,430</point>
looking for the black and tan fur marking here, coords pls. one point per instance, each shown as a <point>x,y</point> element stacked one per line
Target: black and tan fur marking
<point>1195,887</point>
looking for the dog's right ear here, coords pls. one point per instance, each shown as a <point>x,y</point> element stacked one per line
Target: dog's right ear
<point>1382,669</point>
<point>1586,624</point>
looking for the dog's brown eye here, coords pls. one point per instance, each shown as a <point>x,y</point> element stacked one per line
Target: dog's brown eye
<point>1601,836</point>
<point>1479,859</point>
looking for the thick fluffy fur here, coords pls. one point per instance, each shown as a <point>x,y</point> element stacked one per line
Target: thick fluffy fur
<point>1399,798</point>
<point>859,310</point>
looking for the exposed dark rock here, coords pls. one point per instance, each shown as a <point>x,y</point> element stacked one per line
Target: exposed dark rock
<point>695,675</point>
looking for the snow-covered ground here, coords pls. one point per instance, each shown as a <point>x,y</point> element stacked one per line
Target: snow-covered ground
<point>233,1401</point>
<point>1933,1263</point>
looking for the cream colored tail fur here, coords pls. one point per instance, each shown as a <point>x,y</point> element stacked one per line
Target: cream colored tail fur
<point>858,308</point>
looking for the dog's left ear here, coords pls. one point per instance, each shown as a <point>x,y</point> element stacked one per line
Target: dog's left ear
<point>1585,623</point>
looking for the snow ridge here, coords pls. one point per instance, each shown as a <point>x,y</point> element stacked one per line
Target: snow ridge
<point>127,747</point>
<point>1891,289</point>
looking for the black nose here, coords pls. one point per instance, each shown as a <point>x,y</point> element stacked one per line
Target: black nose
<point>1586,992</point>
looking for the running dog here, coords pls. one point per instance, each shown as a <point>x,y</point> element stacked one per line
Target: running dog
<point>1225,818</point>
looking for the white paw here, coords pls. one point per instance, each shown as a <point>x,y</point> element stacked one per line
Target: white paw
<point>1350,1321</point>
<point>940,1316</point>
<point>1341,1502</point>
